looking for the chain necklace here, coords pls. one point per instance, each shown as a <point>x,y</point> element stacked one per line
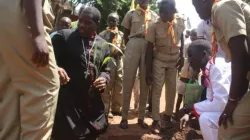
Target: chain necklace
<point>84,57</point>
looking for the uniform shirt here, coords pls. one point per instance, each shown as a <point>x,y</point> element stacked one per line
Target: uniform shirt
<point>158,34</point>
<point>187,42</point>
<point>134,21</point>
<point>230,18</point>
<point>106,36</point>
<point>219,79</point>
<point>48,17</point>
<point>204,30</point>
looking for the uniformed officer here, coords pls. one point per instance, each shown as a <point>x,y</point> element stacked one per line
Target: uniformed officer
<point>136,24</point>
<point>28,101</point>
<point>167,36</point>
<point>114,36</point>
<point>231,25</point>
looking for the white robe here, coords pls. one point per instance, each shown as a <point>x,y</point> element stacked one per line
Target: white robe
<point>210,110</point>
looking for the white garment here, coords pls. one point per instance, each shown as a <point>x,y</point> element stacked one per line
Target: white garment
<point>187,42</point>
<point>209,125</point>
<point>217,96</point>
<point>204,30</point>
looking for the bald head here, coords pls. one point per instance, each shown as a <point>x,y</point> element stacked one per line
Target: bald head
<point>114,15</point>
<point>64,23</point>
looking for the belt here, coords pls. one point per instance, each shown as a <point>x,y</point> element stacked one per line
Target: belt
<point>138,36</point>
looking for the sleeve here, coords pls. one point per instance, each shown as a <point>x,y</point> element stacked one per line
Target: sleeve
<point>229,20</point>
<point>123,46</point>
<point>150,36</point>
<point>219,90</point>
<point>200,31</point>
<point>102,35</point>
<point>60,46</point>
<point>126,23</point>
<point>183,27</point>
<point>154,16</point>
<point>106,63</point>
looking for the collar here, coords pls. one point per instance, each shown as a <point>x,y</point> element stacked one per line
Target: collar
<point>113,30</point>
<point>205,71</point>
<point>138,7</point>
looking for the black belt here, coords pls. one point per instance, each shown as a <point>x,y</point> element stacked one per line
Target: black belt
<point>138,36</point>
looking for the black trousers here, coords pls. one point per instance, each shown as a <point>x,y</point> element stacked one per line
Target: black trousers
<point>204,92</point>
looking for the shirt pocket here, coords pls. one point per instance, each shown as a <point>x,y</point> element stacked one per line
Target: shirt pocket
<point>136,24</point>
<point>161,37</point>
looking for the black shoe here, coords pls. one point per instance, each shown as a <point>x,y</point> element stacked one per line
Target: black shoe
<point>124,124</point>
<point>156,129</point>
<point>142,124</point>
<point>116,113</point>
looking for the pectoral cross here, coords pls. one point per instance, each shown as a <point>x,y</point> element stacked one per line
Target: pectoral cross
<point>86,74</point>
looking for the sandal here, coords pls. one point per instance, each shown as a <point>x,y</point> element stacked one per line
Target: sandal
<point>124,124</point>
<point>142,124</point>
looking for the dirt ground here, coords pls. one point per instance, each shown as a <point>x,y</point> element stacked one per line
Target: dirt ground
<point>134,132</point>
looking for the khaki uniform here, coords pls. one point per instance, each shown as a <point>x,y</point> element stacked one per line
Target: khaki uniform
<point>164,63</point>
<point>134,58</point>
<point>28,100</point>
<point>136,91</point>
<point>115,86</point>
<point>231,18</point>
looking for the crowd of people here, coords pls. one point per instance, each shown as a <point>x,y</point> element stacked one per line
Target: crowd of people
<point>62,79</point>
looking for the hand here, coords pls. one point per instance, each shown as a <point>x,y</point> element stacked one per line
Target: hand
<point>40,55</point>
<point>64,78</point>
<point>180,63</point>
<point>227,114</point>
<point>185,110</point>
<point>100,83</point>
<point>184,121</point>
<point>149,79</point>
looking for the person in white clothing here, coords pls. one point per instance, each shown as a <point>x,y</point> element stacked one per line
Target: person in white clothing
<point>218,80</point>
<point>204,31</point>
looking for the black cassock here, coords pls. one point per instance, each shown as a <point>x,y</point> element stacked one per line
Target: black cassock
<point>84,60</point>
